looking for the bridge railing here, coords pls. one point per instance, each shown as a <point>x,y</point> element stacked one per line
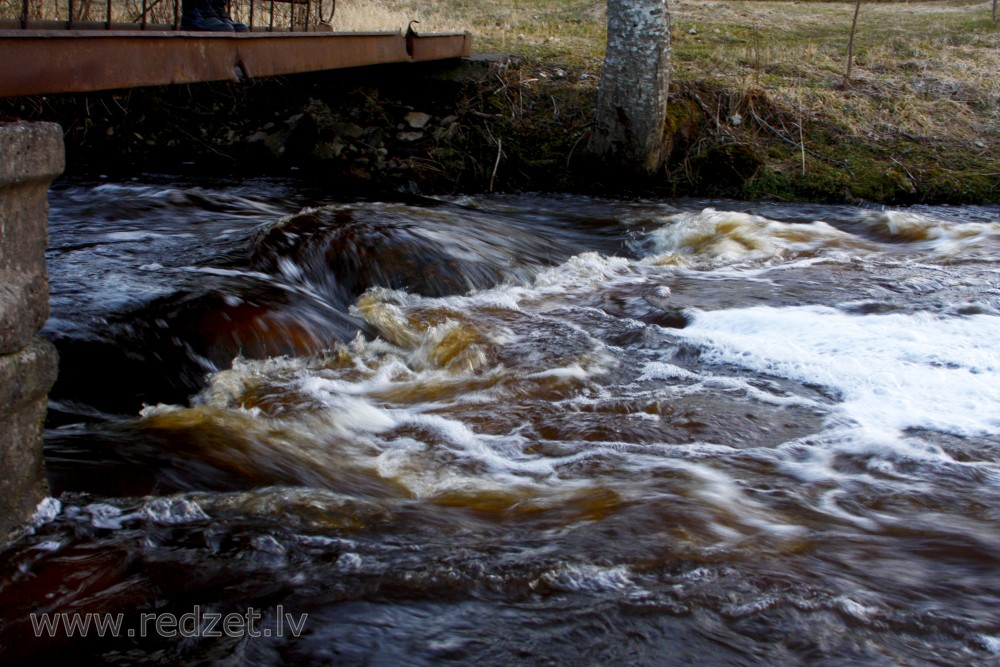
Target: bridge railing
<point>259,15</point>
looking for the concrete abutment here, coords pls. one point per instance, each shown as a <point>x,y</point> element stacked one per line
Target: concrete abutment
<point>31,155</point>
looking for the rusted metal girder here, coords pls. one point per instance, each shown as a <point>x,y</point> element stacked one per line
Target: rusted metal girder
<point>39,62</point>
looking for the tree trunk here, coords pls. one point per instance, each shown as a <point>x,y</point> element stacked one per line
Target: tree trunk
<point>632,99</point>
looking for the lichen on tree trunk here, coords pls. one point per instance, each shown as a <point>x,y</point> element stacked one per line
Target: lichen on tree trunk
<point>632,99</point>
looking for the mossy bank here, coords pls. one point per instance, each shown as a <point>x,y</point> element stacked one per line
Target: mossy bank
<point>498,124</point>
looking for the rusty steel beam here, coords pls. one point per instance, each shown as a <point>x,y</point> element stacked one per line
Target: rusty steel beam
<point>50,62</point>
<point>440,47</point>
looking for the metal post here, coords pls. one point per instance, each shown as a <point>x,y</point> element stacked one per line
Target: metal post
<point>107,23</point>
<point>24,14</point>
<point>177,13</point>
<point>142,24</point>
<point>69,21</point>
<point>270,26</point>
<point>320,18</point>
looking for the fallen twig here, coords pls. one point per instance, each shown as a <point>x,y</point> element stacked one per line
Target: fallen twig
<point>496,165</point>
<point>794,143</point>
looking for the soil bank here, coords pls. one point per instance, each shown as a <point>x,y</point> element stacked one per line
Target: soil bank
<point>499,124</point>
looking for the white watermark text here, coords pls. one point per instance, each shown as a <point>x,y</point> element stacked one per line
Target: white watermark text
<point>196,623</point>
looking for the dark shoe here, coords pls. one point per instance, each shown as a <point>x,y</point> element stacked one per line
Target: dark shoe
<point>200,18</point>
<point>219,10</point>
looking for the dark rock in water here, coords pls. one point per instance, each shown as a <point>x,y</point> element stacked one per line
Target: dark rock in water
<point>352,256</point>
<point>670,318</point>
<point>665,314</point>
<point>342,252</point>
<point>287,291</point>
<point>163,351</point>
<point>873,308</point>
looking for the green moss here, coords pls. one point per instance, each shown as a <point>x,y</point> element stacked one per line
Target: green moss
<point>684,119</point>
<point>877,174</point>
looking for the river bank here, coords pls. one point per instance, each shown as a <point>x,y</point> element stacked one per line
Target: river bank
<point>759,109</point>
<point>502,124</point>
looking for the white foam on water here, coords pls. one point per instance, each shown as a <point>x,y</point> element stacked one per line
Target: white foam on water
<point>583,270</point>
<point>173,511</point>
<point>581,274</point>
<point>350,562</point>
<point>859,611</point>
<point>475,327</point>
<point>892,371</point>
<point>661,370</point>
<point>136,236</point>
<point>939,236</point>
<point>216,271</point>
<point>586,578</point>
<point>385,405</point>
<point>990,643</point>
<point>354,414</point>
<point>46,511</point>
<point>354,409</point>
<point>713,239</point>
<point>719,238</point>
<point>734,512</point>
<point>753,607</point>
<point>829,505</point>
<point>570,372</point>
<point>397,461</point>
<point>104,515</point>
<point>701,383</point>
<point>501,455</point>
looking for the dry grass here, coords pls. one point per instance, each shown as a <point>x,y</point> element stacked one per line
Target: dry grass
<point>365,15</point>
<point>927,69</point>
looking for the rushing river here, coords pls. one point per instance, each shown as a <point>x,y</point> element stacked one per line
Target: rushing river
<point>516,430</point>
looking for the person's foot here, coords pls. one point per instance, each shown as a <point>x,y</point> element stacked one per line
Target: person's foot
<point>200,19</point>
<point>219,9</point>
<point>237,27</point>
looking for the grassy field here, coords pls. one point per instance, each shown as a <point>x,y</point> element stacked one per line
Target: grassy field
<point>920,118</point>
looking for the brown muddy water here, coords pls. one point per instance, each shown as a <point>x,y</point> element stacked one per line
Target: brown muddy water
<point>514,430</point>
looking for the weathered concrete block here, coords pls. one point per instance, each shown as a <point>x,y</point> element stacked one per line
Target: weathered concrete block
<point>26,376</point>
<point>32,152</point>
<point>31,155</point>
<point>25,379</point>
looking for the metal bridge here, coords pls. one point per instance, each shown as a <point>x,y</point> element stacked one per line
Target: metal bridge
<point>143,45</point>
